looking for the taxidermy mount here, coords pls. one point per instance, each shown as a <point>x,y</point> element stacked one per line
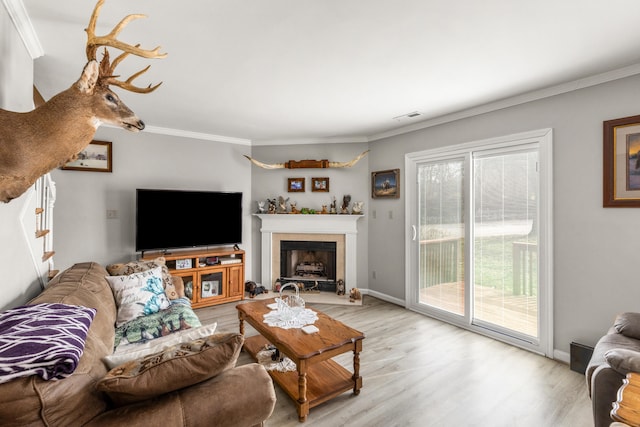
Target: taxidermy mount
<point>34,143</point>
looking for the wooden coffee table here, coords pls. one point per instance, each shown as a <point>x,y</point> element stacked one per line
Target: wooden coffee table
<point>318,378</point>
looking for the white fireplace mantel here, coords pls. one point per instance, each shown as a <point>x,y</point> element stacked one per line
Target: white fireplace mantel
<point>345,225</point>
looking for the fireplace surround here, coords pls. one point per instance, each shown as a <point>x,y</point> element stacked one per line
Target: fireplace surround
<point>339,229</point>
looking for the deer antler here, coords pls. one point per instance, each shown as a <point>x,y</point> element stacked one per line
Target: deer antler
<point>107,76</point>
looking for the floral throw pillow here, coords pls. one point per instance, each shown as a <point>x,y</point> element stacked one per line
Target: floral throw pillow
<point>138,266</point>
<point>176,318</point>
<point>138,294</point>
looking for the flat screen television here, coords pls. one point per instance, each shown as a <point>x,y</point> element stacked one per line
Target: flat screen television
<point>170,219</point>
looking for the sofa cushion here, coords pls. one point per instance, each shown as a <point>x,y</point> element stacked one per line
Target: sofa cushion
<point>623,360</point>
<point>168,281</point>
<point>138,294</point>
<point>172,369</point>
<point>628,324</point>
<point>178,317</point>
<point>127,352</point>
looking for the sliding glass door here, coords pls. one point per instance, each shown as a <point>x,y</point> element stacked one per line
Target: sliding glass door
<point>505,239</point>
<point>441,234</point>
<point>479,250</point>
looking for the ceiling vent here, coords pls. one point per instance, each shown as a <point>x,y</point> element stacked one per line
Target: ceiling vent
<point>409,116</point>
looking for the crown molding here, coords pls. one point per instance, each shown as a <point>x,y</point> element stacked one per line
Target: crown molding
<point>18,14</point>
<point>309,141</point>
<point>197,135</point>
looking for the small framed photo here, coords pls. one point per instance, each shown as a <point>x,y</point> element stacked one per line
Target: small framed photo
<point>295,185</point>
<point>183,264</point>
<point>621,156</point>
<point>210,288</point>
<point>385,184</point>
<point>320,184</point>
<point>95,157</point>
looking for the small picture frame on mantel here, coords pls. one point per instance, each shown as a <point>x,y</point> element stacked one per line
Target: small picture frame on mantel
<point>320,184</point>
<point>295,185</point>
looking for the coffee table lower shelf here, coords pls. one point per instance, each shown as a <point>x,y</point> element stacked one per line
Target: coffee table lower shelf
<point>325,380</point>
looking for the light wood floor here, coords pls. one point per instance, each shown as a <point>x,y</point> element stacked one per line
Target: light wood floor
<point>418,371</point>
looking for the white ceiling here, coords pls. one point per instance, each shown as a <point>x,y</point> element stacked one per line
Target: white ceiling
<point>337,70</point>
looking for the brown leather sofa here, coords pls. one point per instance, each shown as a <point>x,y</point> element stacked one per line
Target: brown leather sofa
<point>615,354</point>
<point>239,396</point>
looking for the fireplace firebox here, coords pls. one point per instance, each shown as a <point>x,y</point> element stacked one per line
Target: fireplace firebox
<point>312,263</point>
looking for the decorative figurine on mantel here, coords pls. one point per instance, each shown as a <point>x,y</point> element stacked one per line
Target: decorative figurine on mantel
<point>324,210</point>
<point>332,208</point>
<point>272,206</point>
<point>346,199</point>
<point>357,208</point>
<point>261,209</point>
<point>282,204</point>
<point>294,209</point>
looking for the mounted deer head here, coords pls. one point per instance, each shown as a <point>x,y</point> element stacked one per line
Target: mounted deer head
<point>34,143</point>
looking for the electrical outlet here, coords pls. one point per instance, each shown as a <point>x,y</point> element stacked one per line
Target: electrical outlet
<point>373,214</point>
<point>373,274</point>
<point>390,214</point>
<point>112,214</point>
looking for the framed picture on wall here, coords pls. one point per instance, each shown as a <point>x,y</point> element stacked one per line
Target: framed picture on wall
<point>320,184</point>
<point>621,157</point>
<point>96,157</point>
<point>385,184</point>
<point>295,185</point>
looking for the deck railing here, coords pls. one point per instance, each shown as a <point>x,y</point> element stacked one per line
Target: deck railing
<point>525,268</point>
<point>440,261</point>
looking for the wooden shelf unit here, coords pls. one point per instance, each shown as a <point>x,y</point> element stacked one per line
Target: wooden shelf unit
<point>207,284</point>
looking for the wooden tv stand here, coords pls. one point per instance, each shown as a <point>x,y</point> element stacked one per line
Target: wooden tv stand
<point>210,277</point>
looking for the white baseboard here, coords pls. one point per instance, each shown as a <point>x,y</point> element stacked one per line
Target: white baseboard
<point>384,297</point>
<point>561,356</point>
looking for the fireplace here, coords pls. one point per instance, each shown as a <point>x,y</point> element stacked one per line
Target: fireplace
<point>312,263</point>
<point>340,230</point>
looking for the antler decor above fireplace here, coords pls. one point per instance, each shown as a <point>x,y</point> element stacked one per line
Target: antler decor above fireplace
<point>307,164</point>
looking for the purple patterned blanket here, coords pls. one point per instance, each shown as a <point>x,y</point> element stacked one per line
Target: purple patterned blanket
<point>42,339</point>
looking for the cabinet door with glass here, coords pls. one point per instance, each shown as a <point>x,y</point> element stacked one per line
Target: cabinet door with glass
<point>188,279</point>
<point>211,284</point>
